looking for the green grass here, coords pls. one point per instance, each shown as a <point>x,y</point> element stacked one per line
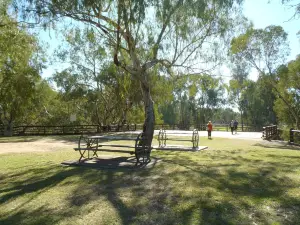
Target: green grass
<point>233,182</point>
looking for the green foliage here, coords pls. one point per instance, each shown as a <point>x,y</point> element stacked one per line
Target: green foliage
<point>287,105</point>
<point>257,102</point>
<point>103,93</point>
<point>196,99</point>
<point>145,39</point>
<point>19,74</point>
<point>264,49</point>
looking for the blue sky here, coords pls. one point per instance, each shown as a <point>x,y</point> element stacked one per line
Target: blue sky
<point>261,12</point>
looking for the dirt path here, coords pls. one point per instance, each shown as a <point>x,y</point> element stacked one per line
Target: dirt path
<point>221,134</point>
<point>43,145</point>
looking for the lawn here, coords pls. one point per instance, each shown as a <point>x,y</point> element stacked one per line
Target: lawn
<point>232,182</point>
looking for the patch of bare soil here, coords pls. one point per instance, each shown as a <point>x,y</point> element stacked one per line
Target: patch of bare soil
<point>43,145</point>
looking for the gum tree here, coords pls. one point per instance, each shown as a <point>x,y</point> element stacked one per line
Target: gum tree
<point>172,35</point>
<point>264,50</point>
<point>19,71</point>
<point>288,85</point>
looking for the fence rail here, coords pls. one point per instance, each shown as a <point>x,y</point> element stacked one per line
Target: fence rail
<point>271,133</point>
<point>294,137</point>
<point>203,127</point>
<point>67,130</point>
<point>87,129</point>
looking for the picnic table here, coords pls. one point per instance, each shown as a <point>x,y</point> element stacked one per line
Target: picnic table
<point>162,140</point>
<point>89,146</point>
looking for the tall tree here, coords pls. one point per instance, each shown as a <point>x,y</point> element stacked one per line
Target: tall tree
<point>288,85</point>
<point>106,92</point>
<point>257,101</point>
<point>19,71</point>
<point>145,34</point>
<point>237,85</point>
<point>264,49</point>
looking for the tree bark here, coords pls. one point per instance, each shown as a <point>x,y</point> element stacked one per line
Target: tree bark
<point>148,127</point>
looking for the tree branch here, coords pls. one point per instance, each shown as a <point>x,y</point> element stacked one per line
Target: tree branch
<point>165,24</point>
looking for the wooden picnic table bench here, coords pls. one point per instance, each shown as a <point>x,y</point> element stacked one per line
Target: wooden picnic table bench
<point>89,146</point>
<point>162,139</point>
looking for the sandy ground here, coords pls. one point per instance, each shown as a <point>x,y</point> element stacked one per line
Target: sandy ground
<point>48,144</point>
<point>43,145</point>
<point>221,134</point>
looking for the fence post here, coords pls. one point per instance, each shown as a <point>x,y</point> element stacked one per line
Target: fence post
<point>291,136</point>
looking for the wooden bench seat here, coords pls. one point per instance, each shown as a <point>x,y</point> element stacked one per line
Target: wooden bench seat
<point>162,138</point>
<point>90,145</point>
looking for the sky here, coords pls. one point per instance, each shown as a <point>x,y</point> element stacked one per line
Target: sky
<point>261,12</point>
<point>264,14</point>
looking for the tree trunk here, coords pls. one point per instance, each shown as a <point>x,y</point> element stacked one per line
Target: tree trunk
<point>242,121</point>
<point>8,129</point>
<point>148,127</point>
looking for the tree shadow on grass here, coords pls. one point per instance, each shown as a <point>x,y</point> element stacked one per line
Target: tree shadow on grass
<point>261,185</point>
<point>277,145</point>
<point>40,180</point>
<point>119,163</point>
<point>42,215</point>
<point>178,190</point>
<point>159,196</point>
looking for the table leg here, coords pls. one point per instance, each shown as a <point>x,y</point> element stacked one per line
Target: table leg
<point>81,155</point>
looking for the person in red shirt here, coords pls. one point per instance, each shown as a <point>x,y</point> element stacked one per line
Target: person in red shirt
<point>209,129</point>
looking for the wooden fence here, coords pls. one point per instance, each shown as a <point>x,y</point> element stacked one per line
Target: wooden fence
<point>88,129</point>
<point>203,127</point>
<point>67,130</point>
<point>294,137</point>
<point>270,132</point>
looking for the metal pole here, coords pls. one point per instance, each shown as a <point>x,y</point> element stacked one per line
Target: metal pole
<point>291,136</point>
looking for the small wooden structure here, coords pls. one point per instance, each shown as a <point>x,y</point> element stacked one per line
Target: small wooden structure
<point>294,137</point>
<point>162,141</point>
<point>270,133</point>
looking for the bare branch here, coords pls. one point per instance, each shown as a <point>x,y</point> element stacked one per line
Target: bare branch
<point>165,24</point>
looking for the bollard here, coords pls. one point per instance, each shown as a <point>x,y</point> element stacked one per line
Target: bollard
<point>291,136</point>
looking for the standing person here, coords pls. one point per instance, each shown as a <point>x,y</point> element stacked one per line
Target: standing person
<point>209,129</point>
<point>231,126</point>
<point>235,123</point>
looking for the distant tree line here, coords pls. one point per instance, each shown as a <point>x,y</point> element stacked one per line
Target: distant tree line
<point>94,90</point>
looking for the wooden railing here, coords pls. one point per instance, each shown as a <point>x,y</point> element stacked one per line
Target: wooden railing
<point>88,129</point>
<point>68,129</point>
<point>270,132</point>
<point>294,137</point>
<point>202,127</point>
